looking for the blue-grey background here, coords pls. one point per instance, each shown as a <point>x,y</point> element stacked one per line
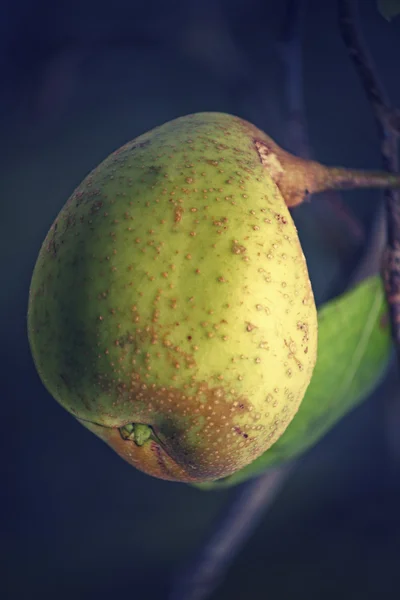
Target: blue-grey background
<point>78,79</point>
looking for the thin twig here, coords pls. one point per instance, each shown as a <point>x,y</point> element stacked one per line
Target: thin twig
<point>386,118</point>
<point>207,569</point>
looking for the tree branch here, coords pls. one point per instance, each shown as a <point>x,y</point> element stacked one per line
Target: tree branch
<point>387,121</point>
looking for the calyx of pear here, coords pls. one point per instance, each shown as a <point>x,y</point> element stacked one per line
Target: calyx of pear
<point>170,307</point>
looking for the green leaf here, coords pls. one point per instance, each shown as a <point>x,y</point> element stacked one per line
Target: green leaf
<point>389,8</point>
<point>354,347</point>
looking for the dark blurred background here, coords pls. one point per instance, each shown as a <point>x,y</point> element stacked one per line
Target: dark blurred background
<point>78,79</point>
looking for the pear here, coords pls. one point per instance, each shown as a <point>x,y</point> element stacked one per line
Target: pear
<point>170,309</point>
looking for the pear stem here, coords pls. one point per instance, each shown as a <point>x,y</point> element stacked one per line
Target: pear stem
<point>338,178</point>
<point>298,178</point>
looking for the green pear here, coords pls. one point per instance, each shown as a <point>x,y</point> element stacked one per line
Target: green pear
<point>170,307</point>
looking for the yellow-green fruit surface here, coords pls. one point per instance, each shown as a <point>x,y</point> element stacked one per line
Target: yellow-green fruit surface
<point>172,290</point>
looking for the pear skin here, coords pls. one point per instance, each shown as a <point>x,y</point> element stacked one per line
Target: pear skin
<point>172,293</point>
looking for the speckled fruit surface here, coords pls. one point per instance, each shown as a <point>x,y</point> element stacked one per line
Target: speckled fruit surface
<point>172,291</point>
